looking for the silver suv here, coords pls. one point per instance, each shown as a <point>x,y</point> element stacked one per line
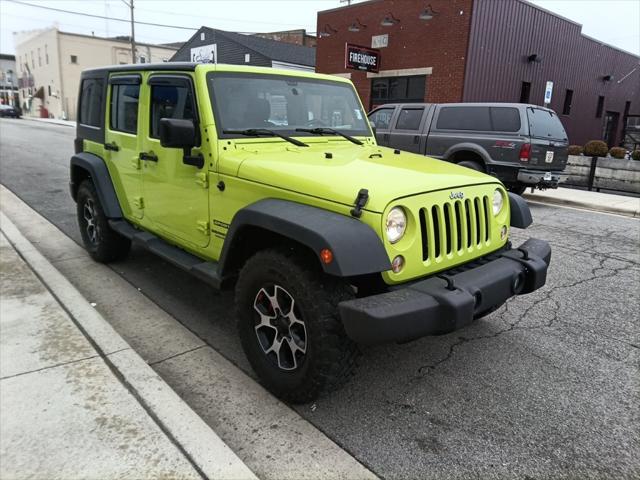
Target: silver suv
<point>523,145</point>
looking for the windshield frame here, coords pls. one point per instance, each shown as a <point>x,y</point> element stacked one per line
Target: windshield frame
<point>285,131</point>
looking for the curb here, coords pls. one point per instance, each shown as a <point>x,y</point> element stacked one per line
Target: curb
<point>537,198</point>
<point>63,123</point>
<point>198,442</point>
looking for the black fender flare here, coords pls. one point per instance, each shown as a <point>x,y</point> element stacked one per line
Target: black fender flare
<point>520,212</point>
<point>356,248</point>
<point>469,147</point>
<point>95,167</point>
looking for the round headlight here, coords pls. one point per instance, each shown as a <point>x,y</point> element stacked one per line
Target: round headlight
<point>396,224</point>
<point>498,201</point>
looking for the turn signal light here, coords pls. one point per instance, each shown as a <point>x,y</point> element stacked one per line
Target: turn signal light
<point>326,256</point>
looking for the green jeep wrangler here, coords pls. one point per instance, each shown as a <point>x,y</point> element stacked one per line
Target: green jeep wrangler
<point>271,182</point>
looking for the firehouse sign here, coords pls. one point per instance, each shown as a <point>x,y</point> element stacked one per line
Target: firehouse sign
<point>362,58</point>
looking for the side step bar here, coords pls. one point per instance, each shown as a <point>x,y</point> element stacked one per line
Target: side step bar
<point>205,271</point>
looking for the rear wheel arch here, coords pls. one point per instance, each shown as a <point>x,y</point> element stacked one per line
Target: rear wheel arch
<point>87,165</point>
<point>464,155</point>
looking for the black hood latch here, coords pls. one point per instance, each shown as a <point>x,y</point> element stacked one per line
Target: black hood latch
<point>361,201</point>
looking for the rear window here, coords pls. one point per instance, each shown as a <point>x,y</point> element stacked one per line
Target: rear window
<point>545,124</point>
<point>91,102</point>
<point>484,119</point>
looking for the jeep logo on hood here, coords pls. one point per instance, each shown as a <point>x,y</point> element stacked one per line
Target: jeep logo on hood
<point>454,195</point>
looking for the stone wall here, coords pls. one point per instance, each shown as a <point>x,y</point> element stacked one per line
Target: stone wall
<point>611,173</point>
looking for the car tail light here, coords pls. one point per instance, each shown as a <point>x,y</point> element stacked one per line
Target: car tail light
<point>525,152</point>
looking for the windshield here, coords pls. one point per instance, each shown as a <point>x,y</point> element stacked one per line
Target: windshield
<point>282,103</point>
<point>545,124</point>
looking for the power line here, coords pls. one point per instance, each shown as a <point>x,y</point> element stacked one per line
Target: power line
<point>100,16</point>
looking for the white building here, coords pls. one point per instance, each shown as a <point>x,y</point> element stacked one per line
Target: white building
<point>49,62</point>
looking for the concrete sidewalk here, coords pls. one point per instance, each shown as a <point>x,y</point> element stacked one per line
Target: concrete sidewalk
<point>75,400</point>
<point>601,202</point>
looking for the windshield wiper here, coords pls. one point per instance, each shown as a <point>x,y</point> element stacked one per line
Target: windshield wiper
<point>329,131</point>
<point>256,132</point>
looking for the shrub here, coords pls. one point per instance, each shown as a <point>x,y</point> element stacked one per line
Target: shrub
<point>617,152</point>
<point>596,148</point>
<point>575,149</point>
<point>635,155</point>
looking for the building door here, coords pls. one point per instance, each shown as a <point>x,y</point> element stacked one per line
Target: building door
<point>176,198</point>
<point>610,128</point>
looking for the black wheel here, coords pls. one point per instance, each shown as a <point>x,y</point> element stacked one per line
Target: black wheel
<point>103,244</point>
<point>289,325</point>
<point>518,189</point>
<point>472,165</point>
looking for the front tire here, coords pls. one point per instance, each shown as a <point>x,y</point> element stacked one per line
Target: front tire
<point>289,325</point>
<point>103,244</point>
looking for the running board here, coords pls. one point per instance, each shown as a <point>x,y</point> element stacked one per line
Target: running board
<point>205,271</point>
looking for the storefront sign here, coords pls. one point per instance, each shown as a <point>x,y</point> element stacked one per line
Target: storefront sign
<point>362,58</point>
<point>380,41</point>
<point>547,93</point>
<point>205,54</point>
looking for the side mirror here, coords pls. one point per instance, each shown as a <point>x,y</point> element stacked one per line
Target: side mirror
<point>179,133</point>
<point>373,127</point>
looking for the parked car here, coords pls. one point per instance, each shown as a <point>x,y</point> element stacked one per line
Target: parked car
<point>270,182</point>
<point>522,145</point>
<point>10,111</point>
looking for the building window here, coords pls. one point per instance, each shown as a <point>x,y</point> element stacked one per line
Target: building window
<point>33,61</point>
<point>39,58</point>
<point>525,92</point>
<point>398,89</point>
<point>143,59</point>
<point>627,108</point>
<point>49,88</point>
<point>600,107</point>
<point>247,57</point>
<point>46,55</point>
<point>74,59</point>
<point>568,97</point>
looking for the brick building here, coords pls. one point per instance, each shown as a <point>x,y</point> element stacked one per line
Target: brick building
<point>484,50</point>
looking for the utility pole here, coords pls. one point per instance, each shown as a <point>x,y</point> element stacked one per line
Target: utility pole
<point>133,31</point>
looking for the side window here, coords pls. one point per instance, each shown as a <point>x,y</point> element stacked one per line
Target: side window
<point>464,118</point>
<point>124,108</point>
<point>505,119</point>
<point>409,119</point>
<point>382,118</point>
<point>91,102</point>
<point>170,101</point>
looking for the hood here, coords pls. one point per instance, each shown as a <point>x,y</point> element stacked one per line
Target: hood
<point>337,170</point>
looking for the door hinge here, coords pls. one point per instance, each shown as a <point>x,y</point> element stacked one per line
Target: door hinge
<point>135,162</point>
<point>202,179</point>
<point>203,227</point>
<point>138,202</point>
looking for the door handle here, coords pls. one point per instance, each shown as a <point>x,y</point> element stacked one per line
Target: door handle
<point>416,139</point>
<point>148,156</point>
<point>111,146</point>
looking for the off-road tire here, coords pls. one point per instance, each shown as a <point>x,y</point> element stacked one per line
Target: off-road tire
<point>330,355</point>
<point>103,244</point>
<point>472,165</point>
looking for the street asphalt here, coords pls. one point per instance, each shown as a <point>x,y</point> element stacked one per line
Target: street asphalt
<point>547,386</point>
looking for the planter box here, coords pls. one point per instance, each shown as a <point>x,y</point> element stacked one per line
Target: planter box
<point>611,173</point>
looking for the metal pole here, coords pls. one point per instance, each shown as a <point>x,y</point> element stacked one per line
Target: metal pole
<point>133,35</point>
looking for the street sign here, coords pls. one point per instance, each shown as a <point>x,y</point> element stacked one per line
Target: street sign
<point>547,93</point>
<point>361,58</point>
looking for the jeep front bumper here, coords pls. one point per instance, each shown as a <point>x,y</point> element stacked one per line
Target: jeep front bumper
<point>446,302</point>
